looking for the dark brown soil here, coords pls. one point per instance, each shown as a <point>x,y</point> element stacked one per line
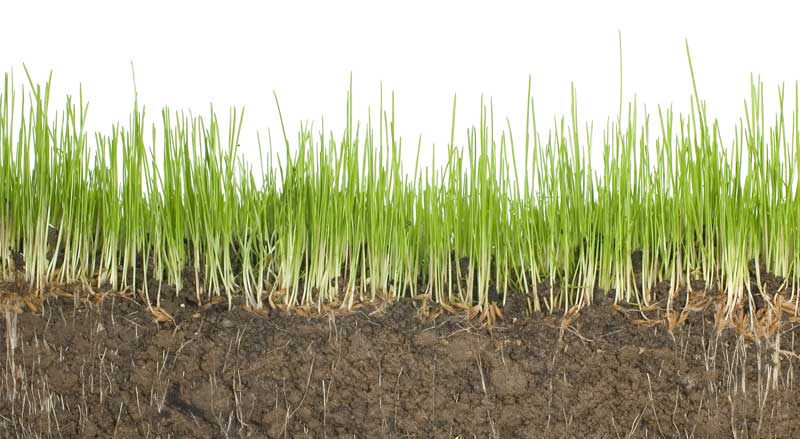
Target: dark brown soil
<point>103,370</point>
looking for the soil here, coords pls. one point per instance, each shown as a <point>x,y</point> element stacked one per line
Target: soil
<point>102,367</point>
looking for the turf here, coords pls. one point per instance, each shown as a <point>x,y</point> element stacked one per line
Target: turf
<point>343,220</point>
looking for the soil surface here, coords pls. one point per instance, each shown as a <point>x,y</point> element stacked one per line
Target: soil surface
<point>104,368</point>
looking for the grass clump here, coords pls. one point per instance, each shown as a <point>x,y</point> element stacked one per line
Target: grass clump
<point>342,221</point>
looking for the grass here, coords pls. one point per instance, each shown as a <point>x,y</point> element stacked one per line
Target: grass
<point>342,221</point>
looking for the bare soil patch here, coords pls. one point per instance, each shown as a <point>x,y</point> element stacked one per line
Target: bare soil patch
<point>105,368</point>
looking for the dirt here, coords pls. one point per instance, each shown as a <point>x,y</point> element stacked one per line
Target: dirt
<point>103,368</point>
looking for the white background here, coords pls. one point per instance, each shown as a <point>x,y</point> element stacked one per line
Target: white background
<point>189,54</point>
